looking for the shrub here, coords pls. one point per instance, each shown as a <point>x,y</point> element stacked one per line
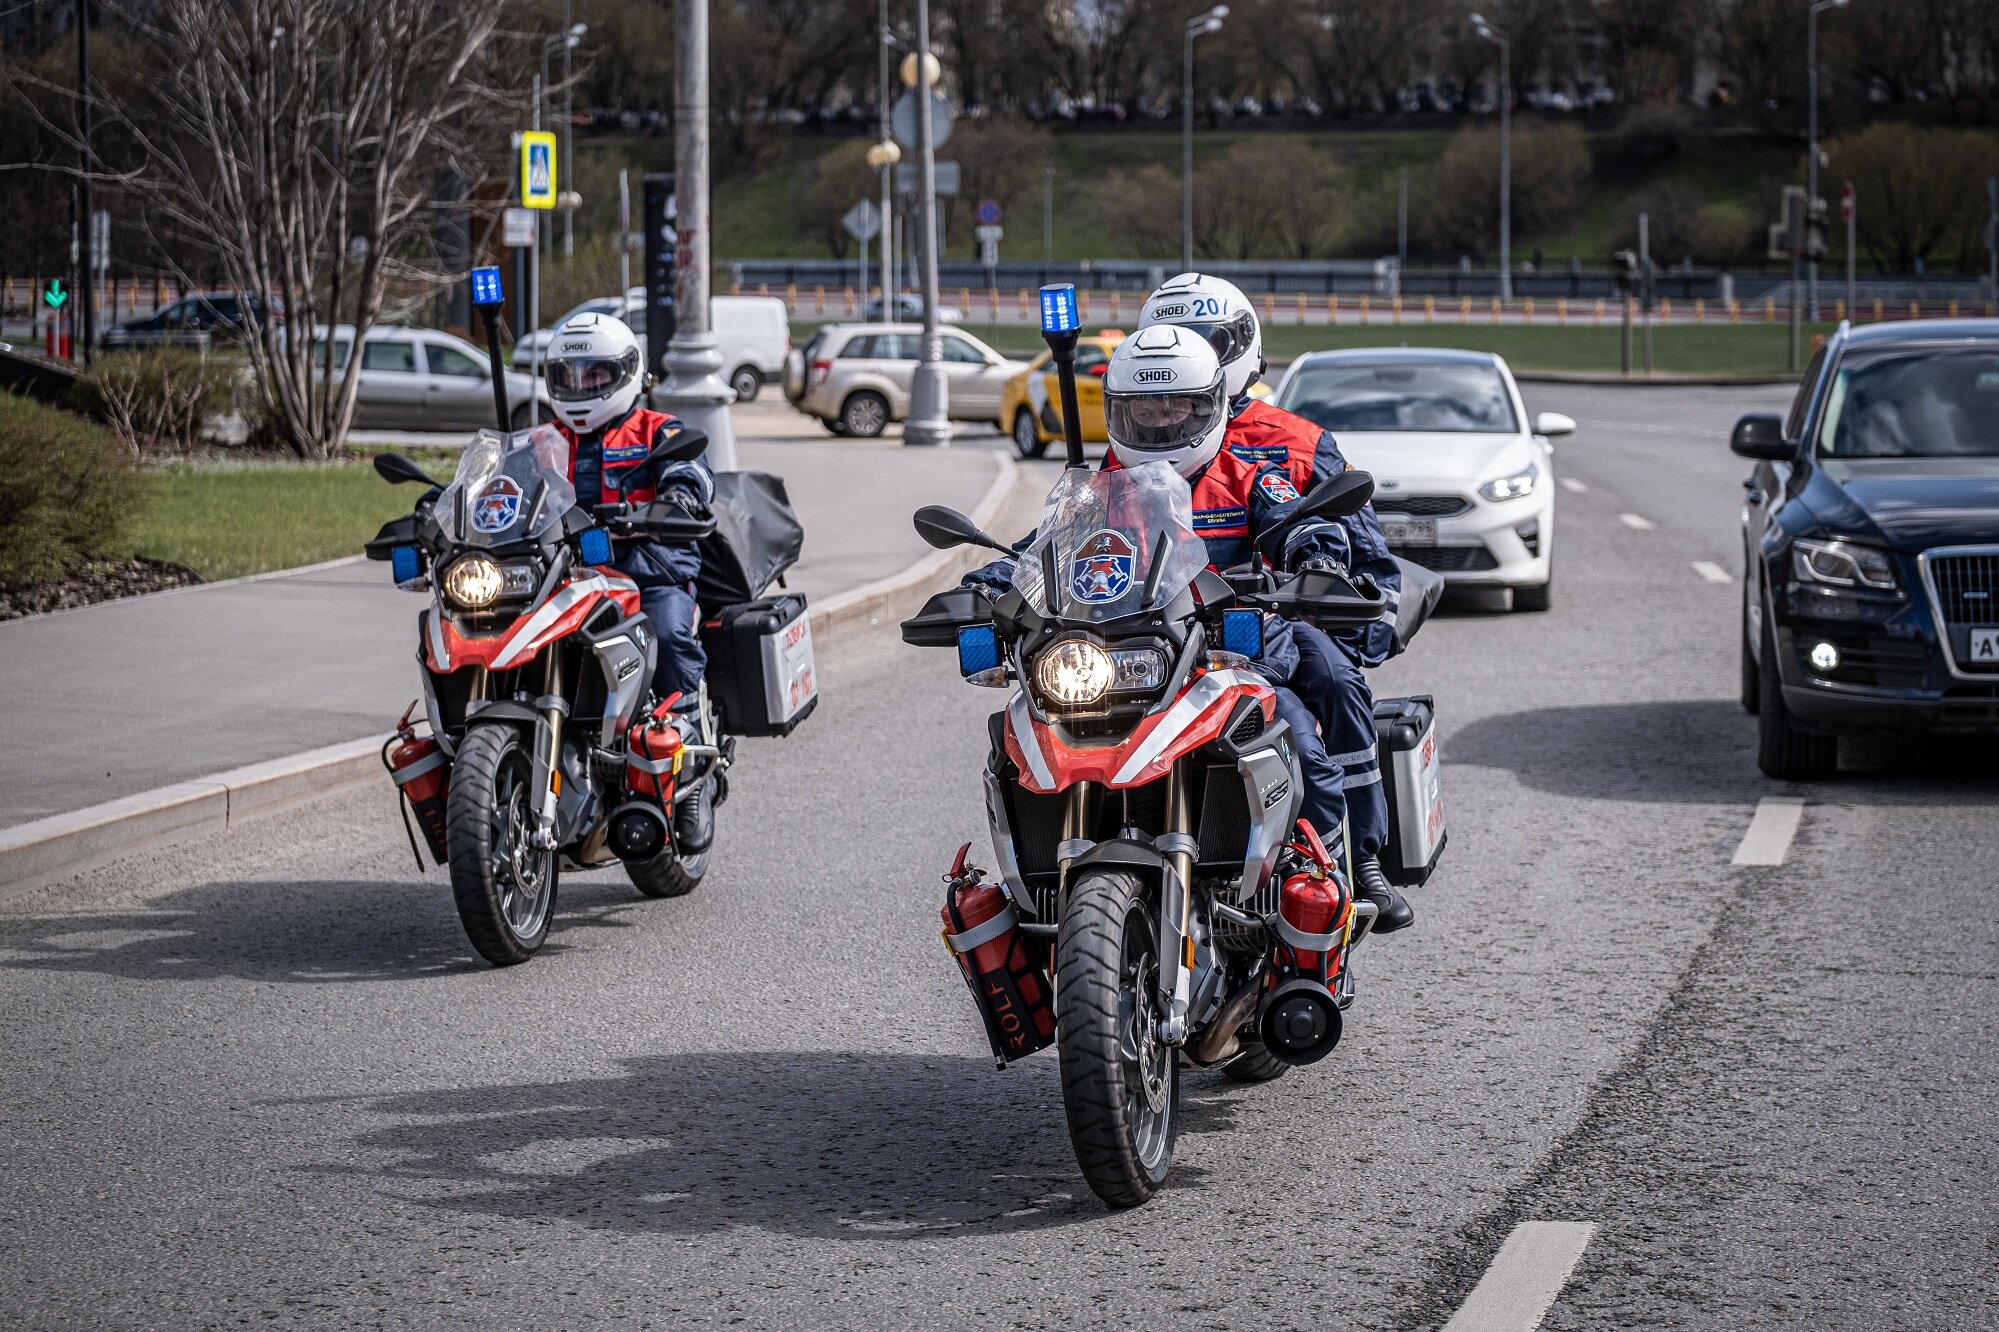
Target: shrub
<point>1458,210</point>
<point>67,491</point>
<point>158,398</point>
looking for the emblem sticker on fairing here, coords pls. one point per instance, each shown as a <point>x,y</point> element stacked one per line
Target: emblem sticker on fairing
<point>496,505</point>
<point>1278,487</point>
<point>1103,567</point>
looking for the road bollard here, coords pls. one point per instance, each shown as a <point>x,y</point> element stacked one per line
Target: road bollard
<point>1395,309</point>
<point>819,299</point>
<point>1363,309</point>
<point>1769,311</point>
<point>1562,311</point>
<point>1700,310</point>
<point>1495,309</point>
<point>1879,312</point>
<point>1114,305</point>
<point>1023,302</point>
<point>1839,311</point>
<point>1527,309</point>
<point>1953,309</point>
<point>1666,310</point>
<point>1596,313</point>
<point>1429,309</point>
<point>1464,310</point>
<point>1332,308</point>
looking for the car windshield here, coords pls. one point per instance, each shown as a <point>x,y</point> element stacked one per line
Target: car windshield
<point>1100,533</point>
<point>1915,402</point>
<point>1403,395</point>
<point>507,488</point>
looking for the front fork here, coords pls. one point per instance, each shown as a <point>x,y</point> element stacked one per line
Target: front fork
<point>547,772</point>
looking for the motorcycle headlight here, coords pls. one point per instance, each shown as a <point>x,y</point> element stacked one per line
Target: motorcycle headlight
<point>1074,673</point>
<point>1841,564</point>
<point>473,583</point>
<point>1138,670</point>
<point>1518,486</point>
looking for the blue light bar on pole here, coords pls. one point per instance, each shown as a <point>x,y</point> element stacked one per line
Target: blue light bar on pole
<point>1058,309</point>
<point>486,287</point>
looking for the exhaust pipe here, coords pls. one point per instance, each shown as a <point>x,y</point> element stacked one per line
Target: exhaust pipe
<point>1219,1040</point>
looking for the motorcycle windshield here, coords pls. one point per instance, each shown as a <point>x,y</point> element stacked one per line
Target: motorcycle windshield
<point>1101,536</point>
<point>507,488</point>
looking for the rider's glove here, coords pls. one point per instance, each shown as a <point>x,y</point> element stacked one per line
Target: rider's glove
<point>681,498</point>
<point>1324,564</point>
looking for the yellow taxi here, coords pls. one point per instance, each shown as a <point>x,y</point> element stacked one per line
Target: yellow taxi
<point>1031,403</point>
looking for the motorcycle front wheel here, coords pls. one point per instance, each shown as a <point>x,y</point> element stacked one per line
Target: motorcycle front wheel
<point>1120,1082</point>
<point>504,886</point>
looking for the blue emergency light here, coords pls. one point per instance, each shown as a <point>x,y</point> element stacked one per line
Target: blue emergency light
<point>978,649</point>
<point>405,564</point>
<point>1058,308</point>
<point>1242,633</point>
<point>486,287</point>
<point>595,545</point>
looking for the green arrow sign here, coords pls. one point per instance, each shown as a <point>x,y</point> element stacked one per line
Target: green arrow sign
<point>55,296</point>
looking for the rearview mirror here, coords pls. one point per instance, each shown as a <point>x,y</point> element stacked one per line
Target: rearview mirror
<point>682,446</point>
<point>947,528</point>
<point>1761,435</point>
<point>1341,496</point>
<point>396,469</point>
<point>1552,424</point>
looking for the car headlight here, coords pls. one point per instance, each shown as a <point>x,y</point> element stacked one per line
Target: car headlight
<point>1842,564</point>
<point>1518,486</point>
<point>473,583</point>
<point>1074,673</point>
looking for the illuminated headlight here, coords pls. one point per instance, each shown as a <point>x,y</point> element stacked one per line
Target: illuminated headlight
<point>473,583</point>
<point>1841,564</point>
<point>1518,486</point>
<point>1074,673</point>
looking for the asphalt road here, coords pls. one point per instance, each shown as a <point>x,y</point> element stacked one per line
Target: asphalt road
<point>263,1080</point>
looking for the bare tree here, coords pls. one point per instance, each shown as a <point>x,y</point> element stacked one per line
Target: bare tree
<point>297,144</point>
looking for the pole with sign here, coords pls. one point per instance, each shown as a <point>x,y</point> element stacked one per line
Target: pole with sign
<point>538,192</point>
<point>1992,237</point>
<point>1846,216</point>
<point>487,298</point>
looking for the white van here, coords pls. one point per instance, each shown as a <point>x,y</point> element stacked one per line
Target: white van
<point>753,334</point>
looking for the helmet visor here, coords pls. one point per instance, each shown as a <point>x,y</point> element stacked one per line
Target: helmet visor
<point>576,379</point>
<point>1229,337</point>
<point>1161,422</point>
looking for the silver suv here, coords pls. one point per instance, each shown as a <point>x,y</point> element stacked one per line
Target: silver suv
<point>855,377</point>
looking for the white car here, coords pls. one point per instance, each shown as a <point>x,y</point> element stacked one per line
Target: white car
<point>1463,484</point>
<point>752,333</point>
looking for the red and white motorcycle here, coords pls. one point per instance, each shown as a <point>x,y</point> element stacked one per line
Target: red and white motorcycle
<point>544,751</point>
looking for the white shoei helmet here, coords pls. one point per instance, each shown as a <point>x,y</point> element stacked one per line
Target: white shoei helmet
<point>593,371</point>
<point>1216,309</point>
<point>1165,400</point>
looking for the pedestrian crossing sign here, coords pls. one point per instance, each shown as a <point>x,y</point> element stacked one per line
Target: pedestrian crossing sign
<point>538,169</point>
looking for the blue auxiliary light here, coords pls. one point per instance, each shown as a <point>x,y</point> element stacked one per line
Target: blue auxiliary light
<point>486,287</point>
<point>1242,633</point>
<point>978,649</point>
<point>595,546</point>
<point>1058,308</point>
<point>405,564</point>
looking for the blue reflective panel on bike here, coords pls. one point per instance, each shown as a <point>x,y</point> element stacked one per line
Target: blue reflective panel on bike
<point>1242,632</point>
<point>978,649</point>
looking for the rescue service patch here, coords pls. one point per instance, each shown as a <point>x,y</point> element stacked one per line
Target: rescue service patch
<point>1103,566</point>
<point>496,505</point>
<point>1278,487</point>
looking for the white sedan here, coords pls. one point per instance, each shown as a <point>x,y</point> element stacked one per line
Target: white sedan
<point>1463,485</point>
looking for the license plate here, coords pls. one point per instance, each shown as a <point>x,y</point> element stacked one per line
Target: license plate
<point>1985,646</point>
<point>1410,531</point>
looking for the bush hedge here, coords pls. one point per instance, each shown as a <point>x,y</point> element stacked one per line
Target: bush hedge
<point>159,398</point>
<point>67,491</point>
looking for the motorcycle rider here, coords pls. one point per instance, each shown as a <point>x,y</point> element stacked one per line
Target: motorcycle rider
<point>596,381</point>
<point>1328,676</point>
<point>1165,400</point>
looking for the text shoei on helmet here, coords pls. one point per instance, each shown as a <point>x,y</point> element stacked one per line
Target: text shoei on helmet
<point>1217,311</point>
<point>594,373</point>
<point>1165,400</point>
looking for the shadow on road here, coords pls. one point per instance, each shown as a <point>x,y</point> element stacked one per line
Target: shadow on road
<point>315,932</point>
<point>818,1144</point>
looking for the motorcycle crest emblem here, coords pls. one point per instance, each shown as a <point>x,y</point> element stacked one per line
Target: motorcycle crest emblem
<point>496,505</point>
<point>1102,568</point>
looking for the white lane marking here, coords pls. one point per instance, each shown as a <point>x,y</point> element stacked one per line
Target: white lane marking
<point>1770,831</point>
<point>1526,1275</point>
<point>1573,486</point>
<point>1634,522</point>
<point>1711,571</point>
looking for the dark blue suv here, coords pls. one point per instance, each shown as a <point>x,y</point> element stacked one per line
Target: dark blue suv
<point>1871,544</point>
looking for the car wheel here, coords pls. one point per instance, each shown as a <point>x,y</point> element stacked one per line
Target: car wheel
<point>834,427</point>
<point>864,414</point>
<point>1027,440</point>
<point>1538,598</point>
<point>522,418</point>
<point>746,381</point>
<point>1782,750</point>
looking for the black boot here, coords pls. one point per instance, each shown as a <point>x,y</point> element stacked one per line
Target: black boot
<point>1393,911</point>
<point>694,820</point>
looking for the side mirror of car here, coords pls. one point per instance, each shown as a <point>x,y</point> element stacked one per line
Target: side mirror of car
<point>1761,435</point>
<point>396,469</point>
<point>1552,424</point>
<point>947,528</point>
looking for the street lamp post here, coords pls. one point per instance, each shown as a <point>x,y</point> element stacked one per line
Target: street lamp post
<point>1498,38</point>
<point>1198,26</point>
<point>1812,135</point>
<point>929,420</point>
<point>883,156</point>
<point>566,40</point>
<point>575,33</point>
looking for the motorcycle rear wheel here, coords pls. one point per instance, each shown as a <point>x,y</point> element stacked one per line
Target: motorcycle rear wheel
<point>504,887</point>
<point>669,875</point>
<point>1255,1064</point>
<point>1120,1084</point>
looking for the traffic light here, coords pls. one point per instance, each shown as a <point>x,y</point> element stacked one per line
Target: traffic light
<point>1815,247</point>
<point>1624,271</point>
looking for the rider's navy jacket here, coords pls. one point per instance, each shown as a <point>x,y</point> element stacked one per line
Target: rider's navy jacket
<point>597,461</point>
<point>1261,433</point>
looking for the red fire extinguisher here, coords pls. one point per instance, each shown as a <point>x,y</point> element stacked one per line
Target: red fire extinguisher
<point>421,773</point>
<point>1010,985</point>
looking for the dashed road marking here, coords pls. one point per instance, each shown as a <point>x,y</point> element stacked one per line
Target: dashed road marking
<point>1635,523</point>
<point>1572,485</point>
<point>1768,839</point>
<point>1526,1275</point>
<point>1711,571</point>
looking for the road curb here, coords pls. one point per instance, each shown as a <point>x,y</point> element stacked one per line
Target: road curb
<point>44,851</point>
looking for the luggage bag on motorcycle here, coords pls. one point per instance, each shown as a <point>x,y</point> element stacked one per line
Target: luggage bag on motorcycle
<point>760,664</point>
<point>1406,746</point>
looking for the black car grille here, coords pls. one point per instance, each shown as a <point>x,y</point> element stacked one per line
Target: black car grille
<point>1423,506</point>
<point>1448,559</point>
<point>1966,589</point>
